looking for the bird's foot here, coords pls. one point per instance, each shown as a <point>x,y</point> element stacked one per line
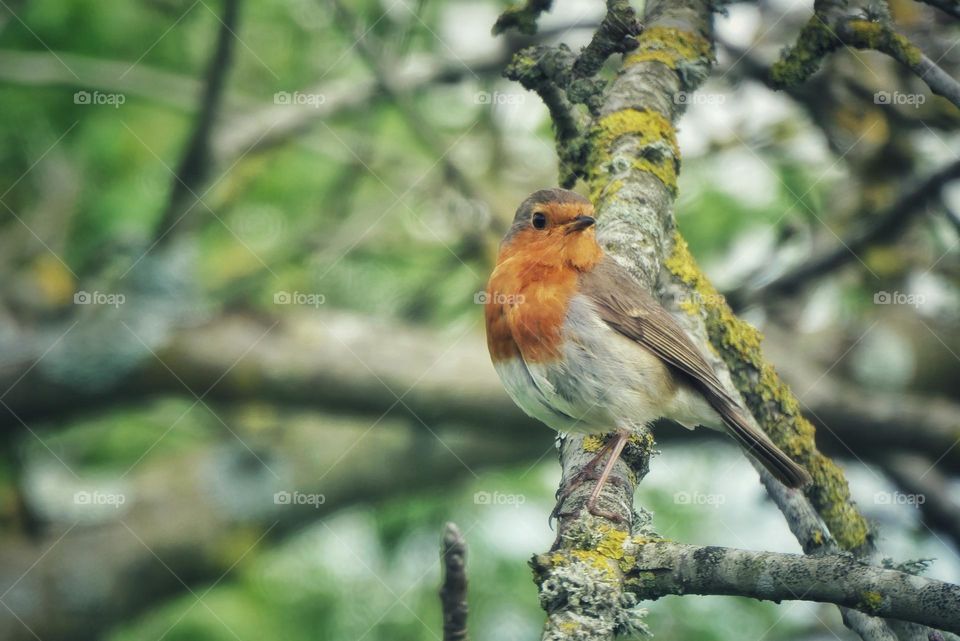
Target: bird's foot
<point>588,472</point>
<point>582,477</point>
<point>605,514</point>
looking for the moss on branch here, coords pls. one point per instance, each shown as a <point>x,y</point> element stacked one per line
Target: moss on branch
<point>769,399</point>
<point>653,145</point>
<point>680,50</point>
<point>822,36</point>
<point>803,59</point>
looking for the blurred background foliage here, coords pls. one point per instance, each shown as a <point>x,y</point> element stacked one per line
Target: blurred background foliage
<point>385,203</point>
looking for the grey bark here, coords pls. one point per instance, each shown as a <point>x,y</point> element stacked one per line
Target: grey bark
<point>674,568</point>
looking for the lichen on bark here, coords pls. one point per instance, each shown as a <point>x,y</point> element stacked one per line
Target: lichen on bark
<point>769,399</point>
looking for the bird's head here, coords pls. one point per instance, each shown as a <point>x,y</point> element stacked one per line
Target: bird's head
<point>553,226</point>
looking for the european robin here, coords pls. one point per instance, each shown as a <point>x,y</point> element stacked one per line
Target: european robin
<point>580,345</point>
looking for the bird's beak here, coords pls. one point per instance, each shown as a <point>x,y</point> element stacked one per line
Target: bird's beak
<point>580,223</point>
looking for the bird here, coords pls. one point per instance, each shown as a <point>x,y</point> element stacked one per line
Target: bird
<point>580,345</point>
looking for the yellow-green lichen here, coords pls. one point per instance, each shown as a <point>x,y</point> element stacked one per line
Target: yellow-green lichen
<point>568,626</point>
<point>611,542</point>
<point>818,38</point>
<point>657,151</point>
<point>866,34</point>
<point>671,46</point>
<point>593,443</point>
<point>600,191</point>
<point>800,61</point>
<point>870,602</point>
<point>606,567</point>
<point>769,399</point>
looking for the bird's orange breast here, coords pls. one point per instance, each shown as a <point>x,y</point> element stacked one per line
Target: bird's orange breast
<point>528,295</point>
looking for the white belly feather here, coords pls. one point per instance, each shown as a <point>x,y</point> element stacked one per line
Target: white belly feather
<point>604,381</point>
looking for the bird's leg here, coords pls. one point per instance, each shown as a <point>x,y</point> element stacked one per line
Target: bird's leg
<point>618,444</point>
<point>589,473</point>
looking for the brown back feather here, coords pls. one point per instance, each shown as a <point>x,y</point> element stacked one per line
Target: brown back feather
<point>624,305</point>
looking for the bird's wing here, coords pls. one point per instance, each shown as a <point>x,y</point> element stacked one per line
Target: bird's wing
<point>626,307</point>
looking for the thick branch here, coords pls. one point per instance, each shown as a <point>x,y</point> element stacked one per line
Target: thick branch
<point>632,165</point>
<point>673,568</point>
<point>316,360</point>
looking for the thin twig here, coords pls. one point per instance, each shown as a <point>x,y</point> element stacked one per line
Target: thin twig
<point>949,7</point>
<point>881,226</point>
<point>194,166</point>
<point>925,487</point>
<point>453,589</point>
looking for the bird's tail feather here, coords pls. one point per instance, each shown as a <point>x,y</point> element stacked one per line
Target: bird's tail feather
<point>763,449</point>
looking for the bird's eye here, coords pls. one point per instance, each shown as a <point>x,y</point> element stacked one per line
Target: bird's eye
<point>539,221</point>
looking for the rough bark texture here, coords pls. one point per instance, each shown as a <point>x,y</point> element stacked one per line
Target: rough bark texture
<point>672,568</point>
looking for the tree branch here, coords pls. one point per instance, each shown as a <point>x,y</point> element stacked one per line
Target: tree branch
<point>877,227</point>
<point>829,29</point>
<point>320,350</point>
<point>931,491</point>
<point>195,165</point>
<point>665,568</point>
<point>453,589</point>
<point>522,17</point>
